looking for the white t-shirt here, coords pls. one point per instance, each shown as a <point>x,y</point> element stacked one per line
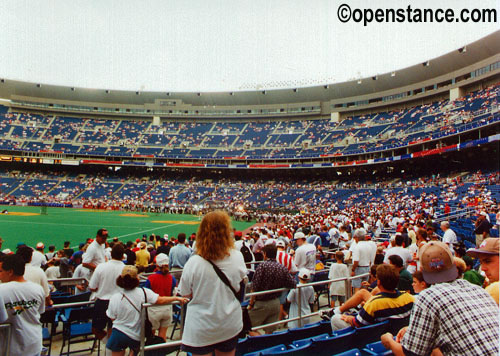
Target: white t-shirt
<point>450,238</point>
<point>307,297</point>
<point>338,270</point>
<point>402,252</point>
<point>362,253</point>
<point>305,257</point>
<point>37,276</point>
<point>213,314</point>
<point>81,271</point>
<point>104,279</point>
<point>95,254</point>
<point>126,317</point>
<point>24,302</point>
<point>38,259</point>
<point>52,272</point>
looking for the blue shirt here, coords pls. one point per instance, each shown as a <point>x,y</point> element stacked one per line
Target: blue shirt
<point>179,255</point>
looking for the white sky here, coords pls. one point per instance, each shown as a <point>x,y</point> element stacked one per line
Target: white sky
<point>217,45</point>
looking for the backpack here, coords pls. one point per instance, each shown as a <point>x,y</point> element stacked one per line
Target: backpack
<point>247,254</point>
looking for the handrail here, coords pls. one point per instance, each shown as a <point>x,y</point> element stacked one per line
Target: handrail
<point>300,317</point>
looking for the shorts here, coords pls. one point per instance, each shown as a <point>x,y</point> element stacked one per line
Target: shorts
<point>119,341</point>
<point>223,346</point>
<point>283,296</point>
<point>356,283</point>
<point>100,320</point>
<point>265,312</point>
<point>160,316</point>
<point>340,298</point>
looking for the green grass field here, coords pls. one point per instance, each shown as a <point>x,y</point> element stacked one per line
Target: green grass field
<point>25,224</point>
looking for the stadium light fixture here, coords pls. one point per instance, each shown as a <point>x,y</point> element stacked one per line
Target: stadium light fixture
<point>107,91</point>
<point>326,86</point>
<point>39,85</point>
<point>462,50</point>
<point>374,77</point>
<point>295,90</point>
<point>393,74</point>
<point>425,64</point>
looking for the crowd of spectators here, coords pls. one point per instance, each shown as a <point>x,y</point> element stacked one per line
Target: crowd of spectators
<point>434,293</point>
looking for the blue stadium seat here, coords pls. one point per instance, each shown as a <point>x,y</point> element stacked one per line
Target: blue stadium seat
<point>324,345</point>
<point>376,348</point>
<point>353,352</point>
<point>370,333</point>
<point>256,343</point>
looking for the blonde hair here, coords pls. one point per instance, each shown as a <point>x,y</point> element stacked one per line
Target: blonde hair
<point>214,240</point>
<point>461,266</point>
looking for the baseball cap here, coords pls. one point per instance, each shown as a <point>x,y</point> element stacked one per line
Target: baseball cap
<point>304,273</point>
<point>142,244</point>
<point>40,245</point>
<point>280,243</point>
<point>299,235</point>
<point>162,260</point>
<point>489,246</point>
<point>129,270</point>
<point>437,263</point>
<point>238,233</point>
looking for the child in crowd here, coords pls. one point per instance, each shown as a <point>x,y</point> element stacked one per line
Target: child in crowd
<point>338,270</point>
<point>307,298</point>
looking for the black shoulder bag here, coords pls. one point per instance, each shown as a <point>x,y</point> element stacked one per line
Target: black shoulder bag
<point>247,323</point>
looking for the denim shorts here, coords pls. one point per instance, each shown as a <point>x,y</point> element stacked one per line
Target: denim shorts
<point>119,341</point>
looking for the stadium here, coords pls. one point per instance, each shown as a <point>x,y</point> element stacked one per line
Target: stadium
<point>379,153</point>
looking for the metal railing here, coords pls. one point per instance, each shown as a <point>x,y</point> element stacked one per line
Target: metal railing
<point>299,318</point>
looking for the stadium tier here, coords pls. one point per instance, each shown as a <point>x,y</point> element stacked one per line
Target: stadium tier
<point>280,139</point>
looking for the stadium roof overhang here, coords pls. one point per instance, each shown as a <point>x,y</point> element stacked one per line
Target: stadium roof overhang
<point>475,52</point>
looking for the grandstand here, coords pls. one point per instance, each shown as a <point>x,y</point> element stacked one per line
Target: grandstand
<point>409,144</point>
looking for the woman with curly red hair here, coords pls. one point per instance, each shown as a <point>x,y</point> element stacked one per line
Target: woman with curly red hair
<point>213,318</point>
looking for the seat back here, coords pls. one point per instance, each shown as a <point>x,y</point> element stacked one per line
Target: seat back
<point>376,348</point>
<point>310,330</point>
<point>397,324</point>
<point>325,346</point>
<point>370,333</point>
<point>352,352</point>
<point>256,343</point>
<point>80,315</point>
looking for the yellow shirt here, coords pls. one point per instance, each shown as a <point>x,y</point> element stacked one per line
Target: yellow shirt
<point>142,258</point>
<point>492,290</point>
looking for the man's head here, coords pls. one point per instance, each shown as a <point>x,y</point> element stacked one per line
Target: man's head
<point>387,277</point>
<point>445,225</point>
<point>399,240</point>
<point>396,261</point>
<point>66,244</point>
<point>488,253</point>
<point>359,234</point>
<point>26,253</point>
<point>280,245</point>
<point>143,245</point>
<point>270,251</point>
<point>101,236</point>
<point>437,263</point>
<point>300,238</point>
<point>40,246</point>
<point>181,238</point>
<point>11,267</point>
<point>117,251</point>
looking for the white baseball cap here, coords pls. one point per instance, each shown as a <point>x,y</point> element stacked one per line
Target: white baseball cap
<point>162,260</point>
<point>304,273</point>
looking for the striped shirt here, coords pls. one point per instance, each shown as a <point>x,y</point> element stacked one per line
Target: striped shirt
<point>384,306</point>
<point>286,260</point>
